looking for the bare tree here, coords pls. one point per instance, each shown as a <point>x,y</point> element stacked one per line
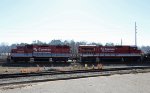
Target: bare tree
<point>109,44</point>
<point>146,49</point>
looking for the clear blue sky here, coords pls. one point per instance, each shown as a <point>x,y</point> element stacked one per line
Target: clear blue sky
<point>81,20</point>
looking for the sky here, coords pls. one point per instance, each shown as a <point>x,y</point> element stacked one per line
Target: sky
<point>98,21</point>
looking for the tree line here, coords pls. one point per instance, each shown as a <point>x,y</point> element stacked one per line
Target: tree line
<point>5,48</point>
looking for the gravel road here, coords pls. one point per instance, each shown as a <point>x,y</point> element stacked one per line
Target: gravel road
<point>128,83</point>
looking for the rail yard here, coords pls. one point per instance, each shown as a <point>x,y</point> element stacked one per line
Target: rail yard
<point>74,46</point>
<point>26,73</point>
<point>30,65</point>
<point>33,64</point>
<point>27,76</point>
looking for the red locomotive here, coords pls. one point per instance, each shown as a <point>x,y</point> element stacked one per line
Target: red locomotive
<point>40,53</point>
<point>87,53</point>
<point>99,53</point>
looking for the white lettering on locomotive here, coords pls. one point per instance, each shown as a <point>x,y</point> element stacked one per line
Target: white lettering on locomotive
<point>41,50</point>
<point>108,49</point>
<point>34,49</point>
<point>44,49</point>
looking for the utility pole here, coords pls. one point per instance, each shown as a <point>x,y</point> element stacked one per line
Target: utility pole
<point>121,41</point>
<point>135,34</point>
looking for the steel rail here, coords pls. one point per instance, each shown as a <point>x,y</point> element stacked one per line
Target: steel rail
<point>105,72</point>
<point>3,76</point>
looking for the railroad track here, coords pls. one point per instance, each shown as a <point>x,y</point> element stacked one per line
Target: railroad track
<point>66,72</point>
<point>62,75</point>
<point>2,76</point>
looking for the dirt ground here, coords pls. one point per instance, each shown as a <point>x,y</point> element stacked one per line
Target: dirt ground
<point>128,83</point>
<point>10,70</point>
<point>37,68</point>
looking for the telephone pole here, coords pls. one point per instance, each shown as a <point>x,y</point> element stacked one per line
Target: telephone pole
<point>135,34</point>
<point>121,41</point>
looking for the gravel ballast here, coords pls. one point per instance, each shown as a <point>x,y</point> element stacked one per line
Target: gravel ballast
<point>128,83</point>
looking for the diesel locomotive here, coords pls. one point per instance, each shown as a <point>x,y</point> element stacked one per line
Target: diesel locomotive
<point>85,53</point>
